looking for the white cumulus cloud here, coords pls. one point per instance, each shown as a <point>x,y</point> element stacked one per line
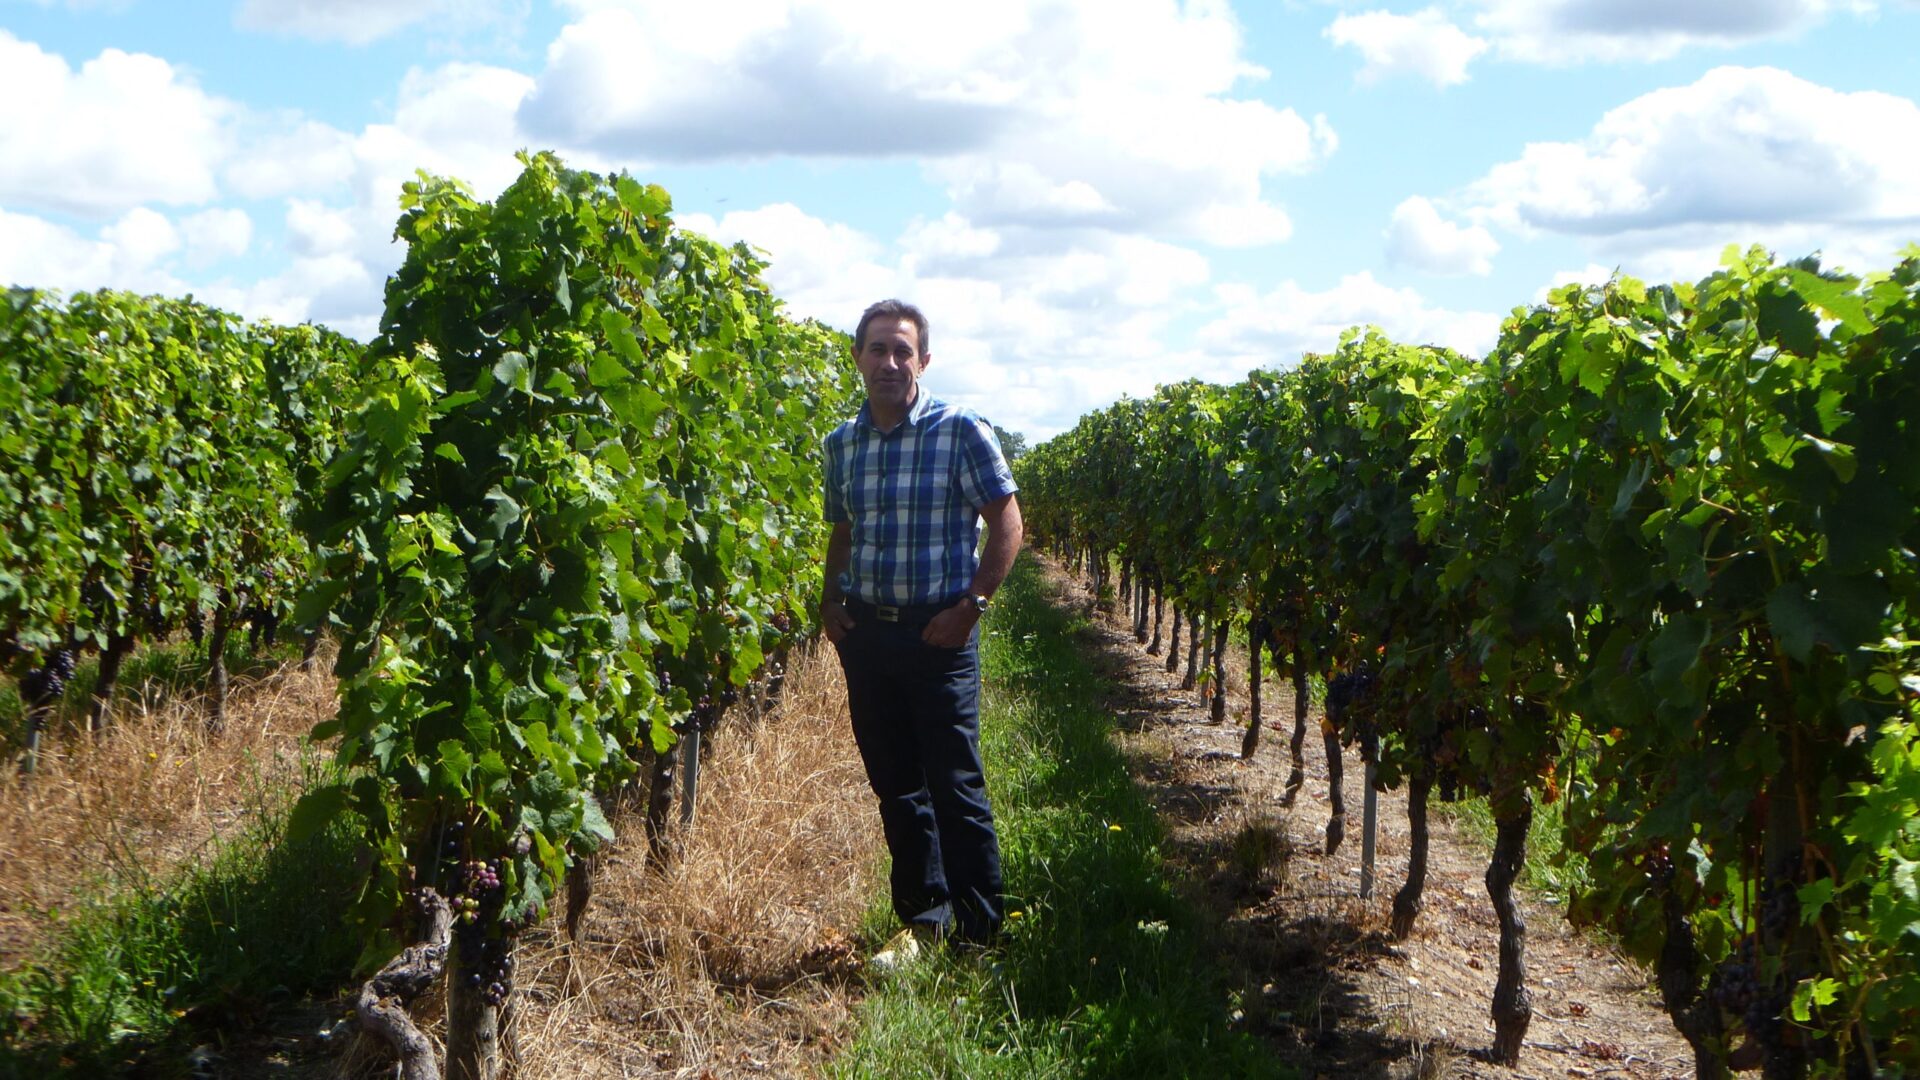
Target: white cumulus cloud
<point>1419,237</point>
<point>1737,156</point>
<point>289,157</point>
<point>131,252</point>
<point>358,22</point>
<point>121,130</point>
<point>1425,44</point>
<point>215,234</point>
<point>1590,274</point>
<point>1569,31</point>
<point>1274,328</point>
<point>823,270</point>
<point>455,120</point>
<point>1030,326</point>
<point>142,237</point>
<point>1060,112</point>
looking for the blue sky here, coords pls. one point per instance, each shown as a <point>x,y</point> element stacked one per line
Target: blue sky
<point>1089,197</point>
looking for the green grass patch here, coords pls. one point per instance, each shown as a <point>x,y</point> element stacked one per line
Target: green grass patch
<point>200,954</point>
<point>1104,971</point>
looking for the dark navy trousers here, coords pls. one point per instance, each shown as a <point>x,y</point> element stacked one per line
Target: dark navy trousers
<point>916,718</point>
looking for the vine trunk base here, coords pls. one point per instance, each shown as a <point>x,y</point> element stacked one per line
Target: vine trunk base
<point>383,1000</point>
<point>1512,1005</point>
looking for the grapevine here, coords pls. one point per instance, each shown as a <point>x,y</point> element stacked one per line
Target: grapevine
<point>1652,555</point>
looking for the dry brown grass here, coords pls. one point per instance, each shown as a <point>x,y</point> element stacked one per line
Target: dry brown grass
<point>732,960</point>
<point>152,791</point>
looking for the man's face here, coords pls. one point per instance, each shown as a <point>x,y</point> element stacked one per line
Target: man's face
<point>890,362</point>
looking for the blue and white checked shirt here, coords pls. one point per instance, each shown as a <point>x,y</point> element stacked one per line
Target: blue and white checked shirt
<point>913,497</point>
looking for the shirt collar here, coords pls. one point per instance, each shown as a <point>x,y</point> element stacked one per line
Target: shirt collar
<point>922,405</point>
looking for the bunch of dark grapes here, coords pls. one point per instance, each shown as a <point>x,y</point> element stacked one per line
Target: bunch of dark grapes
<point>1350,689</point>
<point>49,680</point>
<point>263,624</point>
<point>196,623</point>
<point>450,845</point>
<point>491,970</point>
<point>1348,696</point>
<point>782,622</point>
<point>1736,981</point>
<point>1779,911</point>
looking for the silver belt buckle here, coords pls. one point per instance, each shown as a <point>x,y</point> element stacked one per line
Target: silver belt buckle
<point>886,613</point>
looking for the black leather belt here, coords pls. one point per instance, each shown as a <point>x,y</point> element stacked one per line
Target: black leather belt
<point>906,614</point>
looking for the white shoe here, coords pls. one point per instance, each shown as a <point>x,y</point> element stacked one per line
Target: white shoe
<point>904,949</point>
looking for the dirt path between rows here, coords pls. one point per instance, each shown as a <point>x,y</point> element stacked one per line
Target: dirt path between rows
<point>1319,975</point>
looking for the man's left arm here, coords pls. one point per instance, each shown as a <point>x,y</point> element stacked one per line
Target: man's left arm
<point>1005,531</point>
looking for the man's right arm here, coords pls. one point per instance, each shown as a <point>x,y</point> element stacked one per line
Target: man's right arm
<point>834,619</point>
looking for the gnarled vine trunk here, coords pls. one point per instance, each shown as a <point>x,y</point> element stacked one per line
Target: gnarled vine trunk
<point>1173,645</point>
<point>477,1001</point>
<point>660,802</point>
<point>1408,901</point>
<point>1217,712</point>
<point>1192,678</point>
<point>217,664</point>
<point>382,1002</point>
<point>1512,1005</point>
<point>1256,637</point>
<point>1336,779</point>
<point>1297,746</point>
<point>579,892</point>
<point>1159,610</point>
<point>1693,1014</point>
<point>111,661</point>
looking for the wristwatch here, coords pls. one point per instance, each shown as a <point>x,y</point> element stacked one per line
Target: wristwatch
<point>979,602</point>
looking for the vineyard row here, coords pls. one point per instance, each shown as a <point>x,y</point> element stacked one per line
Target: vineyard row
<point>561,513</point>
<point>1654,555</point>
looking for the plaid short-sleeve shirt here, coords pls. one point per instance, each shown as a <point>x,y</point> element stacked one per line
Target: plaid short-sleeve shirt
<point>913,497</point>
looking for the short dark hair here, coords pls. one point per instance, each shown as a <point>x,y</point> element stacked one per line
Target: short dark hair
<point>891,309</point>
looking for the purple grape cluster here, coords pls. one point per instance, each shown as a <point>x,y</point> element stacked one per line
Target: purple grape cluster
<point>49,680</point>
<point>483,878</point>
<point>1779,911</point>
<point>1736,982</point>
<point>263,624</point>
<point>480,889</point>
<point>487,964</point>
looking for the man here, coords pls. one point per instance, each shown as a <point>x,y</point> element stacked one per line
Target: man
<point>908,482</point>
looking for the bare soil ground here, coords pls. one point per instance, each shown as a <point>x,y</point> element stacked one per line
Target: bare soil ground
<point>1321,977</point>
